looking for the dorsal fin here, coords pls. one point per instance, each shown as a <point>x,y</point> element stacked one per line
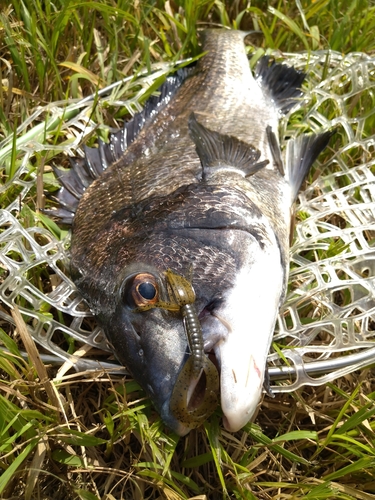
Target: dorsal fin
<point>217,150</point>
<point>85,170</point>
<point>282,82</point>
<point>301,153</point>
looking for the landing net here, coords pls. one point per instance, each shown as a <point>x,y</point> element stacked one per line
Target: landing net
<point>326,327</point>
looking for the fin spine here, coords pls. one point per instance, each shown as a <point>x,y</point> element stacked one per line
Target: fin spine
<point>85,170</point>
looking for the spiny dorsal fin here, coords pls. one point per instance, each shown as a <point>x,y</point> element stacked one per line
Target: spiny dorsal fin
<point>85,170</point>
<point>217,150</point>
<point>301,154</point>
<point>281,81</point>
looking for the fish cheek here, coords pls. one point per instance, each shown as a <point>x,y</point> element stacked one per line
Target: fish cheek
<point>124,339</point>
<point>151,345</point>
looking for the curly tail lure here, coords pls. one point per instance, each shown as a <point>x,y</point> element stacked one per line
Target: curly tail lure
<point>183,404</point>
<point>198,371</point>
<point>183,294</point>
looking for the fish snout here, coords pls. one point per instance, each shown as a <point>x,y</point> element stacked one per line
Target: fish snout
<point>239,330</point>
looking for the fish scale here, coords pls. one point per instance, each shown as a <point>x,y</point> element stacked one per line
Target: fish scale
<point>197,182</point>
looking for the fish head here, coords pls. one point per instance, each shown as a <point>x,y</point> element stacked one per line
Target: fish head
<point>148,336</point>
<point>238,270</point>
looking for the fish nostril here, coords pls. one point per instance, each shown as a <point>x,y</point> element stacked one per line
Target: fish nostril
<point>137,333</point>
<point>215,303</point>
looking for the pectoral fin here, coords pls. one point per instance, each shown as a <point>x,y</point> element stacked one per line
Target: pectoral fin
<point>281,82</point>
<point>301,154</point>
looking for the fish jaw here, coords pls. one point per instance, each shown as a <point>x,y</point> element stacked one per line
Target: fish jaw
<point>248,312</point>
<point>152,344</point>
<point>153,348</point>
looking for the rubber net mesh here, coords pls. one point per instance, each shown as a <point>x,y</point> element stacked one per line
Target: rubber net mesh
<point>326,327</point>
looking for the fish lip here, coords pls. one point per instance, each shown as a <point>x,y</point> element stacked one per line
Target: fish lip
<point>251,312</point>
<point>211,321</point>
<point>195,395</point>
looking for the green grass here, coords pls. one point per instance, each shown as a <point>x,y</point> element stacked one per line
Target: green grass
<point>91,437</point>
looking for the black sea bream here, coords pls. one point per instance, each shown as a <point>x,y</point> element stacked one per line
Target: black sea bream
<point>180,235</point>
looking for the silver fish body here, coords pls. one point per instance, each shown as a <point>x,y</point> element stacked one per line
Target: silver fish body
<point>200,187</point>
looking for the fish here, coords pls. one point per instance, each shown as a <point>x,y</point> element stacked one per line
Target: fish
<point>193,195</point>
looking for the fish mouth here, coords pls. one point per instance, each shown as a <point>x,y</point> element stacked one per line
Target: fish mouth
<point>192,400</point>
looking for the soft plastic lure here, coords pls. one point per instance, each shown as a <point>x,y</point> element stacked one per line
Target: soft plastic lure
<point>194,395</point>
<point>183,294</point>
<point>197,366</point>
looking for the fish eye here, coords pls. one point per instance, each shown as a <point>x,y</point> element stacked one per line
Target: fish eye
<point>147,290</point>
<point>143,291</point>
